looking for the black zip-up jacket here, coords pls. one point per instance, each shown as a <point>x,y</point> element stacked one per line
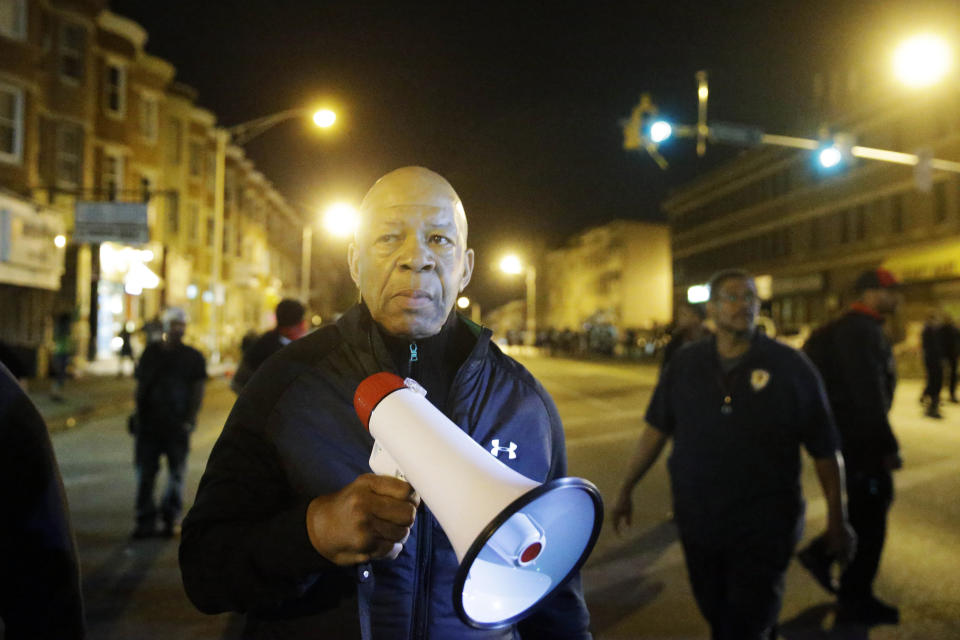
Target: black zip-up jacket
<point>860,380</point>
<point>292,435</point>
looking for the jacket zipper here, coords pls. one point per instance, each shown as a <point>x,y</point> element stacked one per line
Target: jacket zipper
<point>421,590</point>
<point>422,585</point>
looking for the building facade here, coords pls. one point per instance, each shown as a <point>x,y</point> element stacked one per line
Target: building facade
<point>808,233</point>
<point>86,115</point>
<point>617,274</point>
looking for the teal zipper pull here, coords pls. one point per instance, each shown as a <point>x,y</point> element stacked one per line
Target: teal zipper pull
<point>413,352</point>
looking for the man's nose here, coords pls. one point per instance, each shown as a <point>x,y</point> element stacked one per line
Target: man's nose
<point>416,255</point>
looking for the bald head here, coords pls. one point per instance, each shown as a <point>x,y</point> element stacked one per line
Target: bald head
<point>409,257</point>
<point>417,187</point>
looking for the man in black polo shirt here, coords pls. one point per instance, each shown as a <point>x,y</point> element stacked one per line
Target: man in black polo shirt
<point>738,405</point>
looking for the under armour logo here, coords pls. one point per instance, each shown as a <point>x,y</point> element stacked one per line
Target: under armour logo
<point>495,449</point>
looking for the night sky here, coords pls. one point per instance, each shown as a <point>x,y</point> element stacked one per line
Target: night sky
<point>518,104</point>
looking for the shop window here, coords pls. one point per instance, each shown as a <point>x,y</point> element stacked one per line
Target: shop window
<point>193,222</point>
<point>13,19</point>
<point>11,124</point>
<point>173,218</point>
<point>72,51</point>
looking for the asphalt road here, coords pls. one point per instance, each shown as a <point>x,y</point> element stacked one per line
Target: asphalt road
<point>635,585</point>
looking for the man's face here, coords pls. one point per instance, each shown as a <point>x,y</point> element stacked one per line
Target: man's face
<point>176,330</point>
<point>887,301</point>
<point>734,307</point>
<point>410,261</point>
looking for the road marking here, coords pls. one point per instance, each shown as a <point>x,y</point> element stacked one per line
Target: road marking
<point>86,478</point>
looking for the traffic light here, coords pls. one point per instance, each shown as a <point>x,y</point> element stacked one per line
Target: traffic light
<point>834,153</point>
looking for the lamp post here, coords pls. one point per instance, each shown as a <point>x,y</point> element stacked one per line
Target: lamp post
<point>513,265</point>
<point>239,135</point>
<point>339,219</point>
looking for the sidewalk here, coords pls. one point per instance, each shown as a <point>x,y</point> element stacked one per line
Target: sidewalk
<point>96,391</point>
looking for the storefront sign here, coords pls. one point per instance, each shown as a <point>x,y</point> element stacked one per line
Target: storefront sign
<point>28,255</point>
<point>123,222</point>
<point>809,283</point>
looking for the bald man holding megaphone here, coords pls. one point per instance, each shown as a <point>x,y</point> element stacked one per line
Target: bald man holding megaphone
<point>467,527</point>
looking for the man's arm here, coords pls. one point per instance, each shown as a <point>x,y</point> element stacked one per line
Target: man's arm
<point>649,447</point>
<point>839,537</point>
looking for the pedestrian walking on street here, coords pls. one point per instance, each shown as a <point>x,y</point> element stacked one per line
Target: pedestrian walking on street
<point>170,383</point>
<point>856,362</point>
<point>933,357</point>
<point>290,527</point>
<point>63,349</point>
<point>40,596</point>
<point>950,342</point>
<point>290,327</point>
<point>126,351</point>
<point>738,407</point>
<point>688,328</point>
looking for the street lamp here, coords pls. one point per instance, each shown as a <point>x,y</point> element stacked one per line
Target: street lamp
<point>513,265</point>
<point>922,61</point>
<point>239,135</point>
<point>464,303</point>
<point>339,219</point>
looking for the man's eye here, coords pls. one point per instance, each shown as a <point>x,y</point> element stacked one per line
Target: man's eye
<point>439,239</point>
<point>387,237</point>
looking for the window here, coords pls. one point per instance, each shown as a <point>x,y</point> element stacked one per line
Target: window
<point>860,222</point>
<point>174,142</point>
<point>149,116</point>
<point>896,213</point>
<point>72,45</point>
<point>112,179</point>
<point>193,222</point>
<point>173,217</point>
<point>940,202</point>
<point>211,232</point>
<point>11,124</point>
<point>115,89</point>
<point>196,159</point>
<point>13,19</point>
<point>69,163</point>
<point>211,172</point>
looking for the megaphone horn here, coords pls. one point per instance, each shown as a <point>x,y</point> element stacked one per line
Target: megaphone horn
<point>517,540</point>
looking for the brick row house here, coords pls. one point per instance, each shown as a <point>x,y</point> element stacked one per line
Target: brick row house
<point>87,115</point>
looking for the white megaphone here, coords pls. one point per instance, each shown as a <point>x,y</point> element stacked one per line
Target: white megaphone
<point>516,539</point>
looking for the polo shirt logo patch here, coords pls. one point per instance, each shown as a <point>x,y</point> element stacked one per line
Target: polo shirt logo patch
<point>759,379</point>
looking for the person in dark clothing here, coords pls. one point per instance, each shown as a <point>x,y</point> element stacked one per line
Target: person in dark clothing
<point>290,527</point>
<point>126,351</point>
<point>856,361</point>
<point>933,357</point>
<point>738,407</point>
<point>688,328</point>
<point>40,596</point>
<point>950,342</point>
<point>170,382</point>
<point>290,326</point>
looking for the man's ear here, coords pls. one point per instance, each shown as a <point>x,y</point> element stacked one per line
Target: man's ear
<point>467,269</point>
<point>353,261</point>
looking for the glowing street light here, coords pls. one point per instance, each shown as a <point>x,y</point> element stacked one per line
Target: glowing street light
<point>922,60</point>
<point>324,118</point>
<point>463,302</point>
<point>829,157</point>
<point>511,264</point>
<point>60,241</point>
<point>340,220</point>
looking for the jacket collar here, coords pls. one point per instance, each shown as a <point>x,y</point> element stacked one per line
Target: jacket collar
<point>360,331</point>
<point>859,307</point>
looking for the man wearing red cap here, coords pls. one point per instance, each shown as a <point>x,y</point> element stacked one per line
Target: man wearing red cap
<point>856,361</point>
